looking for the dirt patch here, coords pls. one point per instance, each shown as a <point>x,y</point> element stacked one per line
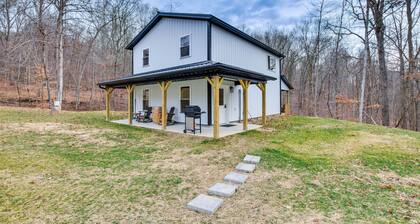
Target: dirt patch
<point>393,178</point>
<point>81,133</point>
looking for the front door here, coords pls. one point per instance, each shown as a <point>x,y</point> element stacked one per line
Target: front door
<point>223,104</point>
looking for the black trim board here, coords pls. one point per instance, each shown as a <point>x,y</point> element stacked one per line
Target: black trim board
<point>208,41</point>
<point>206,17</point>
<point>209,106</point>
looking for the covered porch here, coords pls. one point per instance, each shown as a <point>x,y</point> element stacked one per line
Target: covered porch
<point>215,74</point>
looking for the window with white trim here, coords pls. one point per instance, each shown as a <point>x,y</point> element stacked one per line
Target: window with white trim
<point>185,97</point>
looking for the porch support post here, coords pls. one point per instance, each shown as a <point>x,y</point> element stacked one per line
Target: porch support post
<point>130,88</point>
<point>287,105</point>
<point>262,87</point>
<point>215,82</point>
<point>108,92</point>
<point>164,85</point>
<point>245,85</point>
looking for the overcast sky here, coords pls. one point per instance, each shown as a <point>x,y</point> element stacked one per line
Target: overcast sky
<point>255,14</point>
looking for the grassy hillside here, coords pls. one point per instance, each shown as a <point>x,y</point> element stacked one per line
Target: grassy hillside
<point>76,167</point>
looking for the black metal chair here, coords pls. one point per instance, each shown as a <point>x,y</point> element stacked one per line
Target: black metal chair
<point>171,115</point>
<point>144,116</point>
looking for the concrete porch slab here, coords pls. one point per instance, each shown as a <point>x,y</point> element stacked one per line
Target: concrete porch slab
<point>207,130</point>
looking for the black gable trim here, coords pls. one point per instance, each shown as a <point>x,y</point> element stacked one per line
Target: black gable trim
<point>207,17</point>
<point>288,84</point>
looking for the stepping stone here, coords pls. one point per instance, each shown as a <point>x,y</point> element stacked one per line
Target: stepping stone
<point>222,190</point>
<point>245,167</point>
<point>205,204</point>
<point>236,178</point>
<point>252,159</point>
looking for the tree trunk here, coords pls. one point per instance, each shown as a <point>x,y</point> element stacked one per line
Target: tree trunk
<point>378,11</point>
<point>61,5</point>
<point>365,64</point>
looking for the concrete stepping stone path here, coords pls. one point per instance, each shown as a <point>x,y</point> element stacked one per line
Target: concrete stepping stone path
<point>222,190</point>
<point>209,204</point>
<point>205,204</point>
<point>252,159</point>
<point>245,167</point>
<point>235,178</point>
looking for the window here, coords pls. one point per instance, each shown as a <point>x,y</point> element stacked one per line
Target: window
<point>146,99</point>
<point>146,57</point>
<point>271,62</point>
<point>185,46</point>
<point>185,97</point>
<point>221,97</point>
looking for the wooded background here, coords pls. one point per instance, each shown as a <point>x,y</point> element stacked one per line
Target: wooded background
<point>349,59</point>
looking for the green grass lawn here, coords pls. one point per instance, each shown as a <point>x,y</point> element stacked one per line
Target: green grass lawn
<point>76,167</point>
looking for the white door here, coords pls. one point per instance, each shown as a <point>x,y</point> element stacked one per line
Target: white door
<point>224,104</point>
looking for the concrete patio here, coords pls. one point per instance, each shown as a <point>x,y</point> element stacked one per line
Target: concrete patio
<point>206,130</point>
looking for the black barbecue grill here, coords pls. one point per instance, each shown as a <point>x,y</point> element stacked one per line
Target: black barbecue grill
<point>192,113</point>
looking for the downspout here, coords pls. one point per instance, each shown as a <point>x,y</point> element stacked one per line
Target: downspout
<point>280,68</point>
<point>132,73</point>
<point>209,106</point>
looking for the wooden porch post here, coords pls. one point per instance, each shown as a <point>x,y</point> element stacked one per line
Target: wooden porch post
<point>245,85</point>
<point>164,85</point>
<point>215,82</point>
<point>287,105</point>
<point>130,88</point>
<point>262,87</point>
<point>108,92</point>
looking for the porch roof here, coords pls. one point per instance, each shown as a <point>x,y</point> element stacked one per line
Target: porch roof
<point>188,72</point>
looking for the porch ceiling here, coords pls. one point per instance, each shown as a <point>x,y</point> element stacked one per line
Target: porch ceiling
<point>187,72</point>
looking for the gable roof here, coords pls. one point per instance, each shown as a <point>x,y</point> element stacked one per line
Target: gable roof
<point>283,77</point>
<point>205,17</point>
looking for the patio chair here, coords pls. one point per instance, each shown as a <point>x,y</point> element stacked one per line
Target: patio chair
<point>144,116</point>
<point>171,116</point>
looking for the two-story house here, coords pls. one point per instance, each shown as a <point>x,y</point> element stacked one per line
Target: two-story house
<point>182,59</point>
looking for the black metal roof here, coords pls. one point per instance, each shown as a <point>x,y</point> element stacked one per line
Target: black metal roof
<point>187,72</point>
<point>288,84</point>
<point>206,17</point>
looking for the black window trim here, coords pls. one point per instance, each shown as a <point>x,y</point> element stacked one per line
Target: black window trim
<point>269,60</point>
<point>148,57</point>
<point>189,46</point>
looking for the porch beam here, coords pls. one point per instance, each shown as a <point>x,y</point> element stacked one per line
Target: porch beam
<point>164,85</point>
<point>262,87</point>
<point>215,82</point>
<point>245,85</point>
<point>130,88</point>
<point>108,92</point>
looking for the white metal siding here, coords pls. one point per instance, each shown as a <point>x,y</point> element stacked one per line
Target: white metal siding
<point>198,94</point>
<point>230,49</point>
<point>163,42</point>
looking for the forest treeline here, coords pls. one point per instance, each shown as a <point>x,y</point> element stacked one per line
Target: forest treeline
<point>348,59</point>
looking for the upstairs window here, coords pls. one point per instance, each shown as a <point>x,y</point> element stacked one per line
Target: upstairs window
<point>146,57</point>
<point>185,46</point>
<point>271,62</point>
